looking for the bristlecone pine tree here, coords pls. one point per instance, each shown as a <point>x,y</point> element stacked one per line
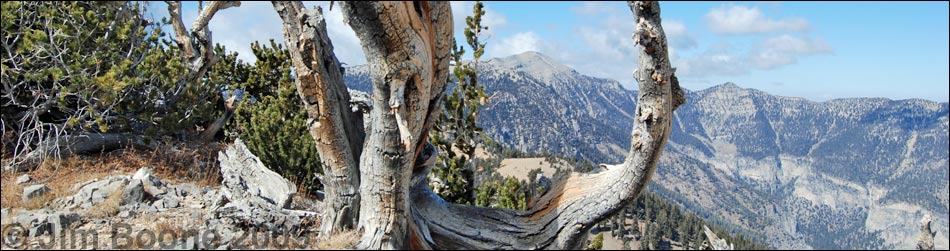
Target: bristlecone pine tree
<point>456,133</point>
<point>85,77</point>
<point>376,178</point>
<point>275,127</point>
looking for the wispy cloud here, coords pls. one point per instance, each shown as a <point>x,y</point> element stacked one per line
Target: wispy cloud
<point>515,44</point>
<point>738,20</point>
<point>725,59</point>
<point>677,34</point>
<point>717,60</point>
<point>346,45</point>
<point>607,48</point>
<point>729,59</point>
<point>785,50</point>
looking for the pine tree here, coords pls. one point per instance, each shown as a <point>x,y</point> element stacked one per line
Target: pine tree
<point>646,241</point>
<point>512,195</point>
<point>597,243</point>
<point>485,194</point>
<point>275,126</point>
<point>85,67</point>
<point>456,133</point>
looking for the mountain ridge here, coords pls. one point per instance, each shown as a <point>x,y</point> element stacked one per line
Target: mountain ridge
<point>362,69</point>
<point>842,173</point>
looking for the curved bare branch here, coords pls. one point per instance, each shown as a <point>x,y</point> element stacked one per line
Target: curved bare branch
<point>561,217</point>
<point>208,12</point>
<point>196,44</point>
<point>198,51</point>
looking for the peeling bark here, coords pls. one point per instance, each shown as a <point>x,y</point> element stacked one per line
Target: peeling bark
<point>336,129</point>
<point>407,48</point>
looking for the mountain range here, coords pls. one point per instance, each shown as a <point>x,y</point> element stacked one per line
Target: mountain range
<point>842,174</point>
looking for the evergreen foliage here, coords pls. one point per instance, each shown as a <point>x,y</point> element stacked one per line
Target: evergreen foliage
<point>513,194</point>
<point>93,67</point>
<point>597,243</point>
<point>102,67</point>
<point>456,133</point>
<point>272,122</point>
<point>485,193</point>
<point>667,222</point>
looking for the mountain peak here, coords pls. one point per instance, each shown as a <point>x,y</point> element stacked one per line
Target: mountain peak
<point>727,85</point>
<point>534,63</point>
<point>531,56</point>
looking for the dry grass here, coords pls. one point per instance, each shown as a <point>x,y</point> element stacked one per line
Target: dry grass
<point>175,163</point>
<point>169,232</point>
<point>59,176</point>
<point>108,207</point>
<point>301,190</point>
<point>196,163</point>
<point>520,167</point>
<point>338,241</point>
<point>11,192</point>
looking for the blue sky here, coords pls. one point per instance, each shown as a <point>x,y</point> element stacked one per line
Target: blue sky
<point>815,50</point>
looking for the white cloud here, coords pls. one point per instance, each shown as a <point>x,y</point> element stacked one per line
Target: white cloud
<point>677,34</point>
<point>606,48</point>
<point>785,50</point>
<point>234,29</point>
<point>735,20</point>
<point>607,44</point>
<point>226,27</point>
<point>515,44</point>
<point>717,60</point>
<point>728,60</point>
<point>725,59</point>
<point>459,11</point>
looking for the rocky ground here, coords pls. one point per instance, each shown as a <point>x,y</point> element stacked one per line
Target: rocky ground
<point>252,208</point>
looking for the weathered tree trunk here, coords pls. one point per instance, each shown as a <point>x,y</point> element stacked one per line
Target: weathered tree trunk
<point>78,144</point>
<point>338,131</point>
<point>407,48</point>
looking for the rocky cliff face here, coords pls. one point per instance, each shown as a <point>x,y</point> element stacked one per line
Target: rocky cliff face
<point>846,173</point>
